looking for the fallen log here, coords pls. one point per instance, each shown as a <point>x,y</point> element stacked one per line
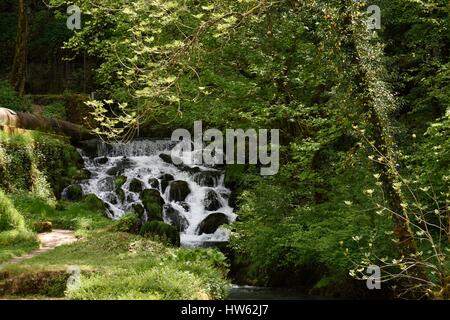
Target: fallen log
<point>28,121</point>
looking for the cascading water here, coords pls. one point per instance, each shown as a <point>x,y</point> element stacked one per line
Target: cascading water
<point>145,165</point>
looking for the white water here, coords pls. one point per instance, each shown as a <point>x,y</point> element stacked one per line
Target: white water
<point>146,164</point>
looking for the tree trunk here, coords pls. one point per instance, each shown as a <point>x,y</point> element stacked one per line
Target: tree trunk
<point>18,72</point>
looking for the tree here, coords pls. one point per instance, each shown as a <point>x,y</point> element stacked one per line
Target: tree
<point>18,72</point>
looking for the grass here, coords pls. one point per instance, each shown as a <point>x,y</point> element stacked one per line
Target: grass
<point>114,264</point>
<point>81,217</point>
<point>117,265</point>
<point>15,238</point>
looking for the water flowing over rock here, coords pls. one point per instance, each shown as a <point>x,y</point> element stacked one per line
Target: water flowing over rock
<point>154,183</point>
<point>174,217</point>
<point>212,223</point>
<point>179,190</point>
<point>212,202</point>
<point>153,204</point>
<point>207,178</point>
<point>73,193</point>
<point>165,180</point>
<point>136,185</point>
<point>133,177</point>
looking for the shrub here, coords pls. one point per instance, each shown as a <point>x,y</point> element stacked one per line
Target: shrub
<point>10,218</point>
<point>56,110</point>
<point>161,231</point>
<point>128,223</point>
<point>9,98</point>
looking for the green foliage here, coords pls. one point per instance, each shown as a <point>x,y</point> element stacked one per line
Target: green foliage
<point>335,90</point>
<point>79,216</point>
<point>161,231</point>
<point>15,237</point>
<point>129,222</point>
<point>37,162</point>
<point>10,218</point>
<point>123,266</point>
<point>56,110</point>
<point>9,98</point>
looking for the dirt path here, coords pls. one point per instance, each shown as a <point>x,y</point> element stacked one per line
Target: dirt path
<point>49,241</point>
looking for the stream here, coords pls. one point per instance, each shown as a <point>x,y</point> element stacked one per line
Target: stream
<point>262,293</point>
<point>195,198</point>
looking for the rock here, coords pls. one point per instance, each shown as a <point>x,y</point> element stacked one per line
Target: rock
<point>165,180</point>
<point>154,183</point>
<point>212,201</point>
<point>179,190</point>
<point>89,147</point>
<point>94,203</point>
<point>136,185</point>
<point>119,181</point>
<point>106,184</point>
<point>153,204</point>
<point>73,193</point>
<point>167,158</point>
<point>129,222</point>
<point>207,178</point>
<point>191,170</point>
<point>83,174</point>
<point>212,222</point>
<point>111,198</point>
<point>120,195</point>
<point>175,218</point>
<point>42,226</point>
<point>119,167</point>
<point>185,206</point>
<point>131,198</point>
<point>139,210</point>
<point>101,161</point>
<point>161,231</point>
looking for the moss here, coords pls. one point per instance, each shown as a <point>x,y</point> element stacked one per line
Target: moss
<point>153,204</point>
<point>161,231</point>
<point>128,223</point>
<point>119,181</point>
<point>93,202</point>
<point>33,161</point>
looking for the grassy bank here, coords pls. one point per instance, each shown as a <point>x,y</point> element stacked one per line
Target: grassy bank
<point>113,264</point>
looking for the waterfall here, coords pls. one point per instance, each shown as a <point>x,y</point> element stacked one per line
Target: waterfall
<point>143,164</point>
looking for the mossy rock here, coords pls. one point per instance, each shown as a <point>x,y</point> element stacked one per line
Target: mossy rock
<point>42,226</point>
<point>211,201</point>
<point>94,203</point>
<point>153,204</point>
<point>175,218</point>
<point>207,178</point>
<point>73,193</point>
<point>82,174</point>
<point>179,190</point>
<point>154,183</point>
<point>139,210</point>
<point>212,222</point>
<point>120,194</point>
<point>119,181</point>
<point>136,185</point>
<point>129,222</point>
<point>161,231</point>
<point>165,180</point>
<point>101,160</point>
